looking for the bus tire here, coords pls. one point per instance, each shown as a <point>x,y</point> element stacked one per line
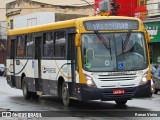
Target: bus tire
<point>26,93</point>
<point>121,102</point>
<point>65,96</point>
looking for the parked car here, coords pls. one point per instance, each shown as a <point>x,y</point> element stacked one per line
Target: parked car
<point>156,79</point>
<point>155,65</point>
<point>153,68</point>
<point>2,69</point>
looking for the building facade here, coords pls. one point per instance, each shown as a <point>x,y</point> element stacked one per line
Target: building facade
<point>152,24</point>
<point>3,33</point>
<point>3,38</point>
<point>153,28</point>
<point>65,9</point>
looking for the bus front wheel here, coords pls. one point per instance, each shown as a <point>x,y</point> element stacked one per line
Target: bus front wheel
<point>65,95</point>
<point>26,93</point>
<point>121,102</point>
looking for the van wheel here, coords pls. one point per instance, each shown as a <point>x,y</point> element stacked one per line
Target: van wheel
<point>121,102</point>
<point>26,93</point>
<point>156,91</point>
<point>34,95</point>
<point>65,95</point>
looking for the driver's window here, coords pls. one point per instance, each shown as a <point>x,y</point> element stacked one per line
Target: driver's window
<point>87,46</point>
<point>136,44</point>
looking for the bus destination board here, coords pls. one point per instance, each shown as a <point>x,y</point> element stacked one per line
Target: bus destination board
<point>111,25</point>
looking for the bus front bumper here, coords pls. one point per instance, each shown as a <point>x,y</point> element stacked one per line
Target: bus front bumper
<point>106,94</point>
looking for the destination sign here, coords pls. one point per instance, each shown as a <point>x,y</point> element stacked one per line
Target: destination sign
<point>111,25</point>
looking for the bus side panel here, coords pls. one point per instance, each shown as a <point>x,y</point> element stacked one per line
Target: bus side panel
<point>31,84</point>
<point>50,87</point>
<point>51,70</point>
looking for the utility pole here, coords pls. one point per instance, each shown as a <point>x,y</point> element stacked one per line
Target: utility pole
<point>0,31</point>
<point>114,6</point>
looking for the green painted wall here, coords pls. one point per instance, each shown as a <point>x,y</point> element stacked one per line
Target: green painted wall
<point>154,30</point>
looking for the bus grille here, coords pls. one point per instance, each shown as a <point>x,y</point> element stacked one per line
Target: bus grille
<point>115,78</point>
<point>113,81</point>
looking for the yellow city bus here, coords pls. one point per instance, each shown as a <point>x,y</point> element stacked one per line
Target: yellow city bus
<point>91,58</point>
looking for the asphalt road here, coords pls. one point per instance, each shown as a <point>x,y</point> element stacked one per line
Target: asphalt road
<point>12,100</point>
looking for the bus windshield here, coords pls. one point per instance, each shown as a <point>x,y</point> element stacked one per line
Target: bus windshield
<point>114,51</point>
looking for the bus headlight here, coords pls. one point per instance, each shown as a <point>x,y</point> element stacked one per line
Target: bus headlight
<point>89,80</point>
<point>144,78</point>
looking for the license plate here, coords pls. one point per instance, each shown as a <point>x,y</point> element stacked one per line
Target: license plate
<point>118,92</point>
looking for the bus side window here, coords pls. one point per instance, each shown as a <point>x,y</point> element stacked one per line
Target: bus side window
<point>60,44</point>
<point>29,46</point>
<point>20,46</point>
<point>47,44</point>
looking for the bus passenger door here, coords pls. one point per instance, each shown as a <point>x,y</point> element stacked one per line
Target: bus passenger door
<point>37,63</point>
<point>11,64</point>
<point>72,57</point>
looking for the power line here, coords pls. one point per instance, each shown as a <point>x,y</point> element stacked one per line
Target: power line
<point>28,8</point>
<point>74,5</point>
<point>129,5</point>
<point>52,6</point>
<point>121,6</point>
<point>39,7</point>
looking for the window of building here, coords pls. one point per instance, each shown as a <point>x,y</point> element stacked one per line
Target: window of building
<point>141,2</point>
<point>47,44</point>
<point>31,22</point>
<point>60,44</point>
<point>11,24</point>
<point>29,46</point>
<point>20,46</point>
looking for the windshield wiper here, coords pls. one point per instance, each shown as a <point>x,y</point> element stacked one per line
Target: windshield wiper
<point>122,48</point>
<point>105,43</point>
<point>102,39</point>
<point>125,43</point>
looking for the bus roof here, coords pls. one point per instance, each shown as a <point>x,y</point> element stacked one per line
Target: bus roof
<point>67,24</point>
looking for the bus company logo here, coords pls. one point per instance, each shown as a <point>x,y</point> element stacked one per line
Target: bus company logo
<point>64,70</point>
<point>118,85</point>
<point>48,70</point>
